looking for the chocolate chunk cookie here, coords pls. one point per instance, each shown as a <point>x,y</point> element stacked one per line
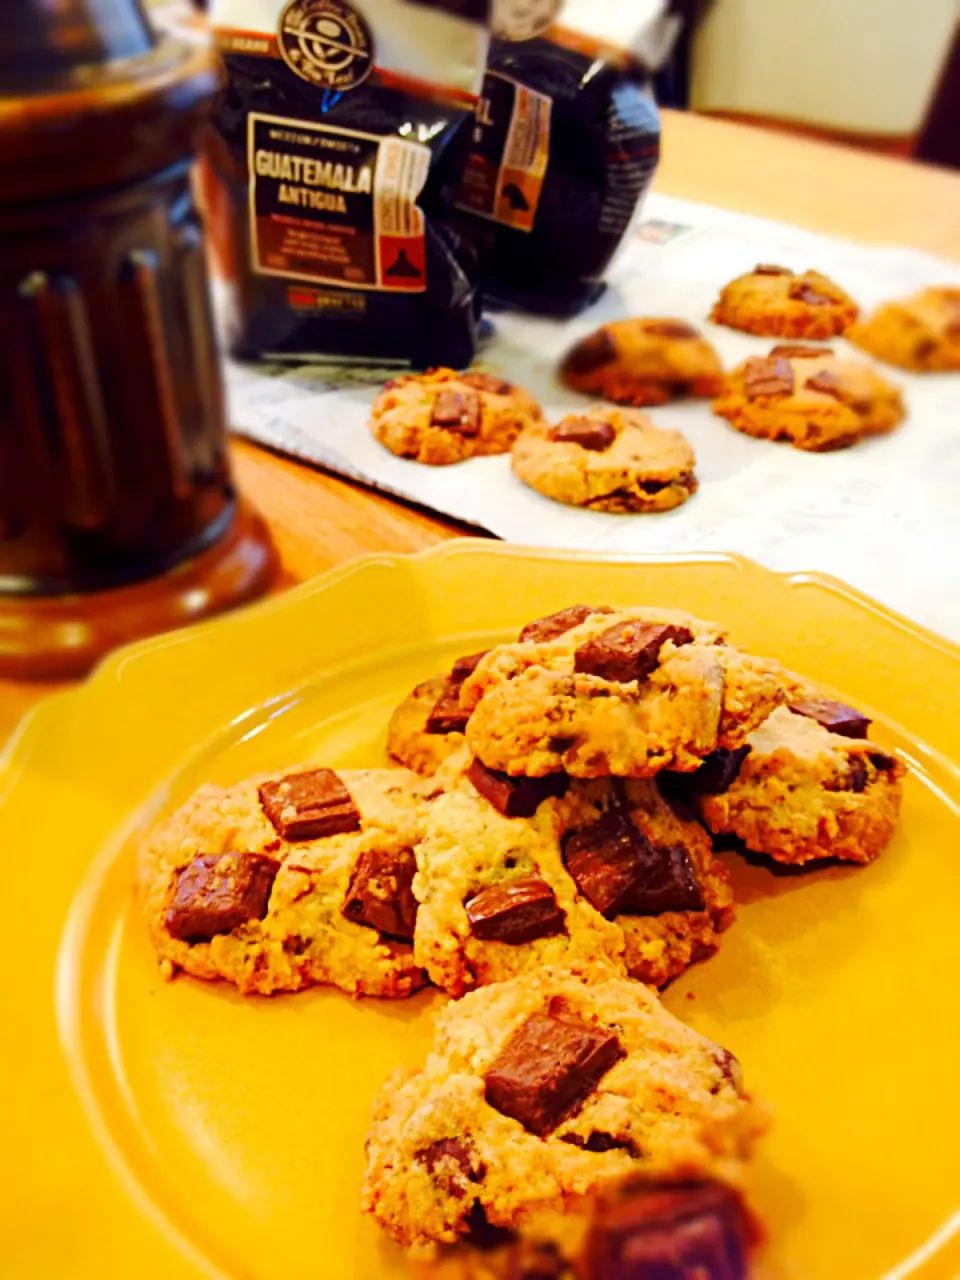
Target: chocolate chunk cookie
<point>607,460</point>
<point>636,1228</point>
<point>590,870</point>
<point>281,882</point>
<point>442,416</point>
<point>809,397</point>
<point>624,693</point>
<point>776,301</point>
<point>544,1089</point>
<point>921,333</point>
<point>803,792</point>
<point>643,362</point>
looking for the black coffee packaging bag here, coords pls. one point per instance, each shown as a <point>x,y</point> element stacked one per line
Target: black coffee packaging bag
<point>329,175</point>
<point>564,146</point>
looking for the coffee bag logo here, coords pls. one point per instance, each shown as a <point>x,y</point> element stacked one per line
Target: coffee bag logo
<point>326,42</point>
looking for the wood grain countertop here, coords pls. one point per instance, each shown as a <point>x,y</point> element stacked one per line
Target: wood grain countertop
<point>319,521</point>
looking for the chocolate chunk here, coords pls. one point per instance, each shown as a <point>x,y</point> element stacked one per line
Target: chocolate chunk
<point>380,895</point>
<point>487,382</point>
<point>801,291</point>
<point>766,269</point>
<point>515,913</point>
<point>456,411</point>
<point>619,872</point>
<point>679,1232</point>
<point>792,351</point>
<point>855,779</point>
<point>588,433</point>
<point>628,650</point>
<point>466,666</point>
<point>306,806</point>
<point>218,892</point>
<point>773,377</point>
<point>548,1068</point>
<point>450,1164</point>
<point>592,353</point>
<point>827,383</point>
<point>670,329</point>
<point>835,716</point>
<point>481,1232</point>
<point>557,624</point>
<point>881,761</point>
<point>730,1068</point>
<point>720,769</point>
<point>447,715</point>
<point>515,797</point>
<point>601,1142</point>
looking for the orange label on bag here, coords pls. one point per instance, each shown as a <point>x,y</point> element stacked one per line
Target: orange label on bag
<point>336,206</point>
<point>504,173</point>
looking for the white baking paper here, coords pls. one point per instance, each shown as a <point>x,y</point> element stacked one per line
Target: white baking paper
<point>884,515</point>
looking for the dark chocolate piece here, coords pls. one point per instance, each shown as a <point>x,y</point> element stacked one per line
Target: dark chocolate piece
<point>449,1163</point>
<point>466,666</point>
<point>380,894</point>
<point>306,806</point>
<point>802,291</point>
<point>692,1231</point>
<point>218,892</point>
<point>835,716</point>
<point>456,411</point>
<point>827,383</point>
<point>557,624</point>
<point>773,377</point>
<point>628,650</point>
<point>588,433</point>
<point>515,913</point>
<point>855,779</point>
<point>515,797</point>
<point>482,1233</point>
<point>447,715</point>
<point>592,353</point>
<point>548,1068</point>
<point>670,329</point>
<point>620,872</point>
<point>720,769</point>
<point>601,1142</point>
<point>881,761</point>
<point>487,382</point>
<point>768,269</point>
<point>795,351</point>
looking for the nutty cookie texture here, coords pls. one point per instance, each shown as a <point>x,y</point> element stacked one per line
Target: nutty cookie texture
<point>545,1089</point>
<point>643,362</point>
<point>920,333</point>
<point>623,692</point>
<point>442,417</point>
<point>776,301</point>
<point>607,460</point>
<point>427,727</point>
<point>809,397</point>
<point>635,1229</point>
<point>515,873</point>
<point>291,879</point>
<point>806,785</point>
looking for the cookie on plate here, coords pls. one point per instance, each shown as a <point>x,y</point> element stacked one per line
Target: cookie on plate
<point>607,460</point>
<point>643,362</point>
<point>427,727</point>
<point>514,873</point>
<point>777,302</point>
<point>442,416</point>
<point>809,397</point>
<point>291,879</point>
<point>623,692</point>
<point>801,788</point>
<point>630,1230</point>
<point>921,333</point>
<point>544,1089</point>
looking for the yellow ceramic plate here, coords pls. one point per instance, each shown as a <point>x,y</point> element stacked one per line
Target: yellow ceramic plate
<point>173,1130</point>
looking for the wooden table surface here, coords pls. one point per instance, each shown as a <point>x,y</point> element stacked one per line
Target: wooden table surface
<point>319,521</point>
